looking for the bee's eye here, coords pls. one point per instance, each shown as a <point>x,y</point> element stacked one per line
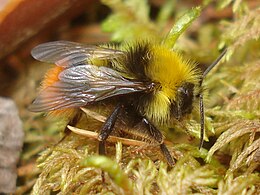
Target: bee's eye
<point>184,100</point>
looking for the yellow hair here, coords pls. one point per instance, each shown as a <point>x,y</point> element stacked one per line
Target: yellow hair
<point>170,70</point>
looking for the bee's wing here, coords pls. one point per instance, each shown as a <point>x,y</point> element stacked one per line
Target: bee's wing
<point>66,53</point>
<point>84,84</point>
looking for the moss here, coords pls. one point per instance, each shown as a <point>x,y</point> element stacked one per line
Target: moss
<point>231,164</point>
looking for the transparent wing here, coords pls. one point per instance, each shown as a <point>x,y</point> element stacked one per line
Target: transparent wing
<point>82,85</point>
<point>66,53</point>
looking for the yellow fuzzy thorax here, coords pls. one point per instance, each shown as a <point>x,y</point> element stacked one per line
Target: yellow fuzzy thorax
<point>170,71</point>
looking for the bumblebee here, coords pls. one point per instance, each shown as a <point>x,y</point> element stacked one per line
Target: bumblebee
<point>151,85</point>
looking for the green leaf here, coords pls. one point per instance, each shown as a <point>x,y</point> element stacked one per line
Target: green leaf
<point>111,167</point>
<point>180,26</point>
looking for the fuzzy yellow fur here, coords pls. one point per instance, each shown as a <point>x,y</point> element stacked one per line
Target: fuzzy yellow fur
<point>171,71</point>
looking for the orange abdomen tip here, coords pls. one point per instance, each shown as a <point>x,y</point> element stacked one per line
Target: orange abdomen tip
<point>51,77</point>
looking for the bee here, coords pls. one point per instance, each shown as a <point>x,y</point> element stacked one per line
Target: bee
<point>148,83</point>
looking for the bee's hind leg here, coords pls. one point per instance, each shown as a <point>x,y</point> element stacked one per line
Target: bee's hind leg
<point>158,137</point>
<point>73,122</point>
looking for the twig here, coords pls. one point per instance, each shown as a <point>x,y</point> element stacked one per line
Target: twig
<point>114,139</point>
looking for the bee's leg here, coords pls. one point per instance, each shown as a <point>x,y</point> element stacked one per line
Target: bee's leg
<point>202,122</point>
<point>106,131</point>
<point>72,122</point>
<point>107,128</point>
<point>158,137</point>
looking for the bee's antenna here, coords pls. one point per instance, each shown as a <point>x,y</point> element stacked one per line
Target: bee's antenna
<point>202,117</point>
<point>214,63</point>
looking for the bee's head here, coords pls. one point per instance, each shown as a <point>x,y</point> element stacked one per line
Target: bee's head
<point>176,79</point>
<point>183,102</point>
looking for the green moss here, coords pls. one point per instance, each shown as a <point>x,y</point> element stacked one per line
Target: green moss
<point>229,167</point>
